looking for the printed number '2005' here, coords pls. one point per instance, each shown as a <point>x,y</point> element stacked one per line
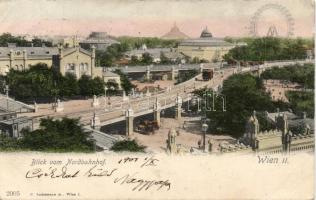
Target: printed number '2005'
<point>13,193</point>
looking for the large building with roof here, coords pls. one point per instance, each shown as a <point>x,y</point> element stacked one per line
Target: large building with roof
<point>206,47</point>
<point>21,58</point>
<point>74,60</point>
<point>101,40</point>
<point>170,53</point>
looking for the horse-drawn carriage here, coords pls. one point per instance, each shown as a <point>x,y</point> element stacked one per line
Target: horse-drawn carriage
<point>147,127</point>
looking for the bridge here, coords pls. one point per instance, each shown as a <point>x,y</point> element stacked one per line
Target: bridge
<point>94,118</point>
<point>171,71</point>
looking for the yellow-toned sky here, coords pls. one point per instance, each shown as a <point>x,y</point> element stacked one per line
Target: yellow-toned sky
<point>151,17</point>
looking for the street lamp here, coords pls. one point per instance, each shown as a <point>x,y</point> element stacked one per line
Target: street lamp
<point>204,129</point>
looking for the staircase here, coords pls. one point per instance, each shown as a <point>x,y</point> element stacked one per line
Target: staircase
<point>8,104</point>
<point>103,140</point>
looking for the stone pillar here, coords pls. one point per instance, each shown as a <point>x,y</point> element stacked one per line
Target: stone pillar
<point>92,61</point>
<point>173,73</point>
<point>59,107</point>
<point>133,92</point>
<point>129,114</point>
<point>178,108</point>
<point>148,73</point>
<point>201,67</point>
<point>157,112</point>
<point>125,98</point>
<point>35,107</point>
<point>147,92</point>
<point>95,101</point>
<point>95,122</point>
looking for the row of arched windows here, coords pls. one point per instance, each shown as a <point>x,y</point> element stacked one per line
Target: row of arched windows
<point>72,67</point>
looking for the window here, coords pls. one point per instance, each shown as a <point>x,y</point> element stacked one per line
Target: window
<point>70,67</point>
<point>47,52</point>
<point>18,53</point>
<point>32,52</point>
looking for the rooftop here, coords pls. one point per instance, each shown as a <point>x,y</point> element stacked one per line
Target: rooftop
<point>110,74</point>
<point>30,51</point>
<point>175,33</point>
<point>206,39</point>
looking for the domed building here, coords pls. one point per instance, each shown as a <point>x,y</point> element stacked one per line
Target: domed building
<point>206,47</point>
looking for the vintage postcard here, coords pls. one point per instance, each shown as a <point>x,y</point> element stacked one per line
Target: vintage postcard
<point>157,99</point>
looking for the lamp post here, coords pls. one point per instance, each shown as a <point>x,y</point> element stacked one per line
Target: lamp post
<point>204,129</point>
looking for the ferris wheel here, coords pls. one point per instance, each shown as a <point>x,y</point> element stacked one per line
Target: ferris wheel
<point>272,30</point>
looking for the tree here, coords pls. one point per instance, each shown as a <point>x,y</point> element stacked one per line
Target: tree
<point>147,58</point>
<point>128,145</point>
<point>69,86</point>
<point>37,82</point>
<point>90,87</point>
<point>63,135</point>
<point>269,48</point>
<point>112,87</point>
<point>244,94</point>
<point>125,82</point>
<point>164,59</point>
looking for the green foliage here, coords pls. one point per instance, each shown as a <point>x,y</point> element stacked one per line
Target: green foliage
<point>125,82</point>
<point>187,75</point>
<point>59,136</point>
<point>244,94</point>
<point>113,53</point>
<point>65,135</point>
<point>8,143</point>
<point>40,81</point>
<point>116,51</point>
<point>163,59</point>
<point>146,59</point>
<point>128,145</point>
<point>265,124</point>
<point>6,38</point>
<point>300,74</point>
<point>301,102</point>
<point>269,48</point>
<point>90,87</point>
<point>69,86</point>
<point>112,87</point>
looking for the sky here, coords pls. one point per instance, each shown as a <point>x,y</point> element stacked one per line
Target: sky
<point>155,17</point>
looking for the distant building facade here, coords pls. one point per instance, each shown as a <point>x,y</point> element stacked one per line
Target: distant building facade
<point>206,47</point>
<point>74,60</point>
<point>77,61</point>
<point>112,77</point>
<point>21,58</point>
<point>101,40</point>
<point>170,53</point>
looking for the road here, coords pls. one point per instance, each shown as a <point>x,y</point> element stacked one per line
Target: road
<point>145,105</point>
